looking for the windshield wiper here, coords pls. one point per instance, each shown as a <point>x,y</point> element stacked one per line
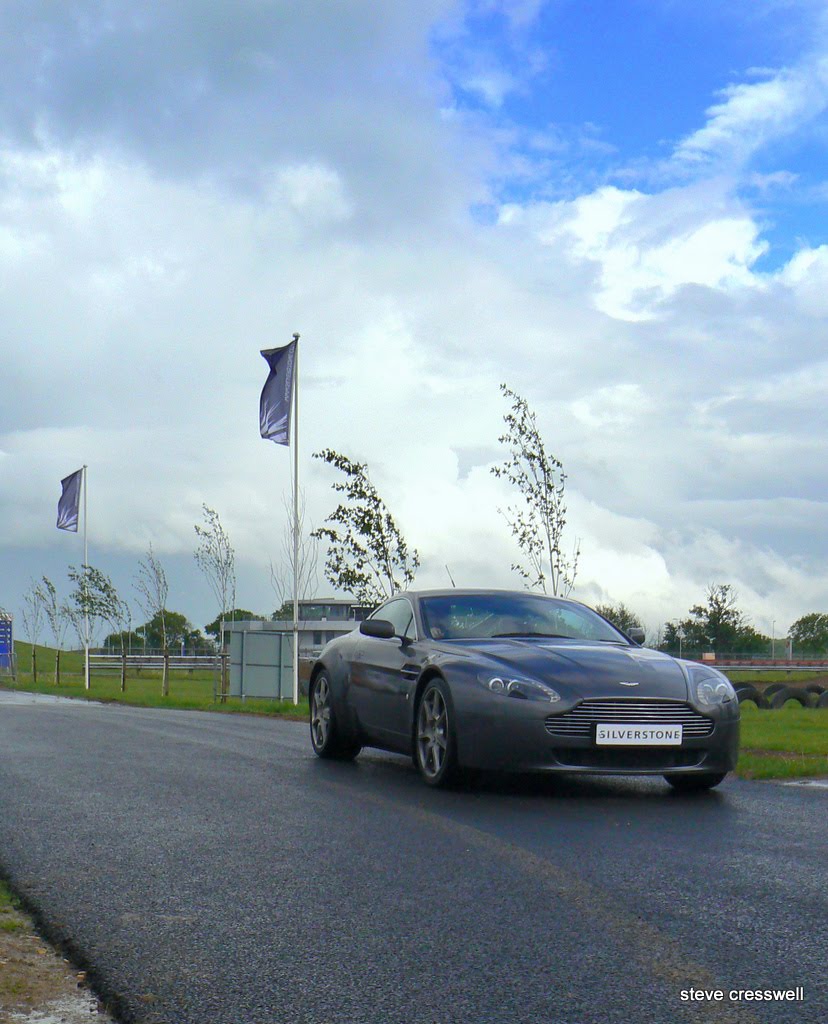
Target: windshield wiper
<point>558,636</point>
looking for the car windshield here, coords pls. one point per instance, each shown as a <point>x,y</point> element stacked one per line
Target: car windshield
<point>480,616</point>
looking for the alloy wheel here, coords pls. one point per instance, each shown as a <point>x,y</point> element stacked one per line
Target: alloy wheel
<point>432,733</point>
<point>321,713</point>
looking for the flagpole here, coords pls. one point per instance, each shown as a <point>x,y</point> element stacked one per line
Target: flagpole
<point>296,520</point>
<point>85,584</point>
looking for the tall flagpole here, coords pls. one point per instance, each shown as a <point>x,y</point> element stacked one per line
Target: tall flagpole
<point>296,520</point>
<point>85,585</point>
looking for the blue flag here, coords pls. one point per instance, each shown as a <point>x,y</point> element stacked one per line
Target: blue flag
<point>274,405</point>
<point>69,504</point>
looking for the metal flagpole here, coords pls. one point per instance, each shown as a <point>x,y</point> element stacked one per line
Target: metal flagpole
<point>85,594</point>
<point>296,520</point>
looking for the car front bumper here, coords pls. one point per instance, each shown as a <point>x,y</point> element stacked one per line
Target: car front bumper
<point>507,734</point>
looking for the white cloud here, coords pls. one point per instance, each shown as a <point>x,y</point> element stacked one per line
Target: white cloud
<point>139,280</point>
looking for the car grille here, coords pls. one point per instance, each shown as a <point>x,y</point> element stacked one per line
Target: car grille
<point>580,720</point>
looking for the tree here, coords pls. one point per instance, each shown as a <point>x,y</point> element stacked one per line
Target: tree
<point>234,615</point>
<point>56,617</point>
<point>538,522</point>
<point>281,575</point>
<point>619,615</point>
<point>367,554</point>
<point>718,624</point>
<point>32,614</point>
<point>216,559</point>
<point>809,634</point>
<point>95,597</point>
<point>153,590</point>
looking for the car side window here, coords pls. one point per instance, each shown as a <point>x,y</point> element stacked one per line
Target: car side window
<point>400,615</point>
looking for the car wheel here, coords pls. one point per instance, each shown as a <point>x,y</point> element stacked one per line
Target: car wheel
<point>435,749</point>
<point>323,725</point>
<point>695,783</point>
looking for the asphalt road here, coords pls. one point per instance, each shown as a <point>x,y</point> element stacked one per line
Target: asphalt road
<point>209,869</point>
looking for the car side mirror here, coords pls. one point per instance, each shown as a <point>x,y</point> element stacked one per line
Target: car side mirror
<point>380,628</point>
<point>636,634</point>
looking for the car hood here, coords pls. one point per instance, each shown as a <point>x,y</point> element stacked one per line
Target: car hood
<point>586,668</point>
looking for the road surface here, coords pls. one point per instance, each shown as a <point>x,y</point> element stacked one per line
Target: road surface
<point>208,869</point>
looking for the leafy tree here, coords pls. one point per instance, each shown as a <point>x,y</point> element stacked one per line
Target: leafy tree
<point>538,522</point>
<point>619,615</point>
<point>95,596</point>
<point>235,615</point>
<point>718,624</point>
<point>809,634</point>
<point>56,617</point>
<point>166,629</point>
<point>367,554</point>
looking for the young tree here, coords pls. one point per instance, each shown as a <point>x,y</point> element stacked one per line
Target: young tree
<point>216,559</point>
<point>56,617</point>
<point>538,522</point>
<point>281,575</point>
<point>367,554</point>
<point>32,615</point>
<point>96,598</point>
<point>619,615</point>
<point>153,590</point>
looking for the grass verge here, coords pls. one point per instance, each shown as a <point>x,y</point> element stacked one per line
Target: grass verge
<point>791,742</point>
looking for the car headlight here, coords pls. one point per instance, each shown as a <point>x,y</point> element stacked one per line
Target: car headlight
<point>711,686</point>
<point>522,689</point>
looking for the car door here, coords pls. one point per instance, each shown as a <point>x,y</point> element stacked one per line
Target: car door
<point>383,675</point>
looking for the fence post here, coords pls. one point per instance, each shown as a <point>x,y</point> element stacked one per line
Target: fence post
<point>224,682</point>
<point>34,665</point>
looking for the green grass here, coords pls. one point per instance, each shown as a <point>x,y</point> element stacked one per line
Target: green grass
<point>780,676</point>
<point>191,691</point>
<point>10,921</point>
<point>791,742</point>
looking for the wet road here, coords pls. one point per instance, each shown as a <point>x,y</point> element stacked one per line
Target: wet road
<point>209,869</point>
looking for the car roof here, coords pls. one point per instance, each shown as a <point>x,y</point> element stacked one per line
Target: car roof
<point>471,591</point>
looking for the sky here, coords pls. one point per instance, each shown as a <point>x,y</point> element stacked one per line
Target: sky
<point>617,209</point>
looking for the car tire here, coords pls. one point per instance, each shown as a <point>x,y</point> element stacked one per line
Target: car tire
<point>695,783</point>
<point>815,688</point>
<point>324,728</point>
<point>435,745</point>
<point>748,692</point>
<point>781,697</point>
<point>822,700</point>
<point>774,688</point>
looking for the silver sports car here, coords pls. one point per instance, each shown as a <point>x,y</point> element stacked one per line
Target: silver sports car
<point>495,679</point>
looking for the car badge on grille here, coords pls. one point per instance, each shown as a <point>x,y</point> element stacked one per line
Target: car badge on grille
<point>621,683</point>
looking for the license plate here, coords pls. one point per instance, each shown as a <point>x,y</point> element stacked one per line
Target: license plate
<point>632,735</point>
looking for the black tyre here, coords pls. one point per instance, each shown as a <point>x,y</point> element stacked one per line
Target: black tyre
<point>324,731</point>
<point>435,746</point>
<point>774,688</point>
<point>815,688</point>
<point>781,697</point>
<point>748,692</point>
<point>695,783</point>
<point>822,700</point>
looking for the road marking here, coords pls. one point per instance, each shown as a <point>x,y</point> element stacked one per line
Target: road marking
<point>808,783</point>
<point>654,951</point>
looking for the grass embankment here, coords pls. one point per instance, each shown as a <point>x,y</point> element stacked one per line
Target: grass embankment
<point>188,690</point>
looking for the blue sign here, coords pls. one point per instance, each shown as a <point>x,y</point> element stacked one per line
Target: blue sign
<point>6,642</point>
